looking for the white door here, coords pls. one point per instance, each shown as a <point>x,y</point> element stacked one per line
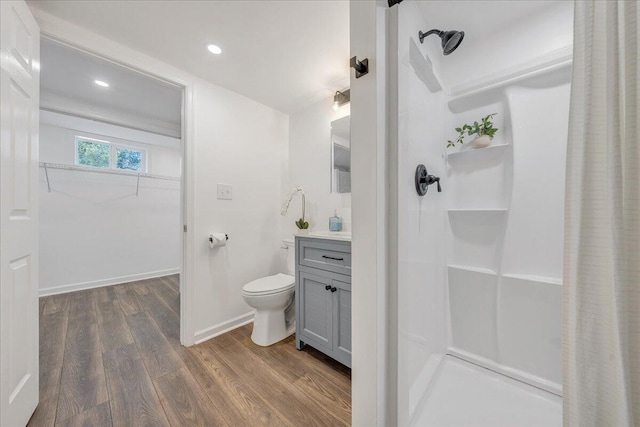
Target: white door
<point>19,97</point>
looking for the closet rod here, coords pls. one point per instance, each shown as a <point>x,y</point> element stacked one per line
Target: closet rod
<point>48,165</point>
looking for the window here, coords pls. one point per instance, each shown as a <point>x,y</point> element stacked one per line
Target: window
<point>93,153</point>
<point>103,154</point>
<point>128,159</point>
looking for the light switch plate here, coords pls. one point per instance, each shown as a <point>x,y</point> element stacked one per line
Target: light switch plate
<point>225,191</point>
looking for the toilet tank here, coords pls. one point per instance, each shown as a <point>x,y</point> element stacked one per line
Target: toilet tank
<point>291,256</point>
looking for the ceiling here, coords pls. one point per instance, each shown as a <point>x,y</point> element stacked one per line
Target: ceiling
<point>285,54</point>
<point>67,85</point>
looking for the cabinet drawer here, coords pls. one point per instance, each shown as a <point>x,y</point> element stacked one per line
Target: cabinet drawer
<point>325,256</point>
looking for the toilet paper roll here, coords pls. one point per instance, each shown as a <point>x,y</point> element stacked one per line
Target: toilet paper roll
<point>217,239</point>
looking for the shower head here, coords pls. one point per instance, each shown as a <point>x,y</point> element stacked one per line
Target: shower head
<point>450,39</point>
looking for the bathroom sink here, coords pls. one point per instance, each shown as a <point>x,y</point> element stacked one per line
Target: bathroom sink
<point>335,235</point>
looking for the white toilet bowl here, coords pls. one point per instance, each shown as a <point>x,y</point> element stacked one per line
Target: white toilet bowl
<point>271,296</point>
<point>273,299</point>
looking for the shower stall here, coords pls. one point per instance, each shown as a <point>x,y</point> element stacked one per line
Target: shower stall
<point>479,278</point>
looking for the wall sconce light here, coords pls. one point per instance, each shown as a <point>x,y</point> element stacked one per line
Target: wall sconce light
<point>341,98</point>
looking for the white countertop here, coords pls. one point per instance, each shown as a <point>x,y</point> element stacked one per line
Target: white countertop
<point>344,236</point>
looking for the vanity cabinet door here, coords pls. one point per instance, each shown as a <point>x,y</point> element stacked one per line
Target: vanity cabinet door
<point>316,312</point>
<point>342,322</point>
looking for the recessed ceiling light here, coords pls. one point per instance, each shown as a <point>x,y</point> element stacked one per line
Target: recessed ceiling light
<point>101,83</point>
<point>215,49</point>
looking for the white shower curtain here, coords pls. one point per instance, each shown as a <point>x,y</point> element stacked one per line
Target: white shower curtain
<point>601,310</point>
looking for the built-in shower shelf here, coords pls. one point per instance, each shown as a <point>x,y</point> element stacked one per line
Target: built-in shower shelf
<point>477,151</point>
<point>533,278</point>
<point>476,211</point>
<point>472,269</point>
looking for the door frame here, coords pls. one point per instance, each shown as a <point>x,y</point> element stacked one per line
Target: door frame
<point>88,42</point>
<point>372,201</point>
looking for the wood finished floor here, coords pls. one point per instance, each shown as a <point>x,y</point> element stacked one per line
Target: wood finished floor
<point>112,356</point>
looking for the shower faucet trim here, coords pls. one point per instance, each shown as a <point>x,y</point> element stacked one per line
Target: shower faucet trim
<point>423,180</point>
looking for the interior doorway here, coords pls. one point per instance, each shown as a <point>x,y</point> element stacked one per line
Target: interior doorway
<point>111,165</point>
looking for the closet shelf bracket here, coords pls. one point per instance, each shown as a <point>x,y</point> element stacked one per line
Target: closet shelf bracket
<point>46,174</point>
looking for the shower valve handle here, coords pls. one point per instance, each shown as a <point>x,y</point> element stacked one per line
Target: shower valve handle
<point>435,179</point>
<point>424,180</point>
<point>430,179</point>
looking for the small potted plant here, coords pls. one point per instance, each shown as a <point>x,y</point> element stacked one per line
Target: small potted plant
<point>484,132</point>
<point>302,225</point>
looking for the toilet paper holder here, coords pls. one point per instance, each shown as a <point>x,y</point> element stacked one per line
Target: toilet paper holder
<point>226,236</point>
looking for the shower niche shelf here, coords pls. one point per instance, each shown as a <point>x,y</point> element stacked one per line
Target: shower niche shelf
<point>477,211</point>
<point>498,148</point>
<point>472,269</point>
<point>532,278</point>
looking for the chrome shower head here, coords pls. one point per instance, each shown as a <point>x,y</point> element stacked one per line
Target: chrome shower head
<point>450,39</point>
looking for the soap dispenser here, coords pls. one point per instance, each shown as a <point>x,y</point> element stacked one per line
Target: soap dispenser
<point>335,222</point>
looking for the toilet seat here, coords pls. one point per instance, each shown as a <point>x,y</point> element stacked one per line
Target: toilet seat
<point>270,285</point>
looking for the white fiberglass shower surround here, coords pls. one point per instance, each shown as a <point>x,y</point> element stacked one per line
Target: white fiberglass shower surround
<point>480,264</point>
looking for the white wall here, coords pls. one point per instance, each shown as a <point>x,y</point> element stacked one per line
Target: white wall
<point>94,230</point>
<point>242,143</point>
<point>422,223</point>
<point>310,168</point>
<point>58,132</point>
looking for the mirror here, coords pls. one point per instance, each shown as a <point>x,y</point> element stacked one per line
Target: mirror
<point>341,155</point>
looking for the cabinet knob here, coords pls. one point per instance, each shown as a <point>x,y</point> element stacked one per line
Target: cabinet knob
<point>334,289</point>
<point>327,287</point>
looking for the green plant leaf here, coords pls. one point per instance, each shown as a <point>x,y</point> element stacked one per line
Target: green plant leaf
<point>302,224</point>
<point>479,129</point>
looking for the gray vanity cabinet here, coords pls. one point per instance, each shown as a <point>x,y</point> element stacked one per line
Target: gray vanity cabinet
<point>323,296</point>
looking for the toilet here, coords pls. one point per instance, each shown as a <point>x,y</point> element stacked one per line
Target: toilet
<point>273,299</point>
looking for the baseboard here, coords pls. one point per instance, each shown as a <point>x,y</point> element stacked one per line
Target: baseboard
<point>221,328</point>
<point>63,289</point>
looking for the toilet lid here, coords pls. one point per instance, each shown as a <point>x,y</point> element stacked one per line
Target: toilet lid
<point>270,284</point>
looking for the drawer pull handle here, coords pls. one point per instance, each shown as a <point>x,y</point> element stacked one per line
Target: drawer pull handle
<point>327,287</point>
<point>334,258</point>
<point>334,289</point>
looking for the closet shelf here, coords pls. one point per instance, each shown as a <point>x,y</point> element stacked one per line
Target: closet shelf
<point>474,151</point>
<point>63,166</point>
<point>472,269</point>
<point>137,175</point>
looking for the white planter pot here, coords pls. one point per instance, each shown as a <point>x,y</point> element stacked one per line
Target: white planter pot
<point>481,141</point>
